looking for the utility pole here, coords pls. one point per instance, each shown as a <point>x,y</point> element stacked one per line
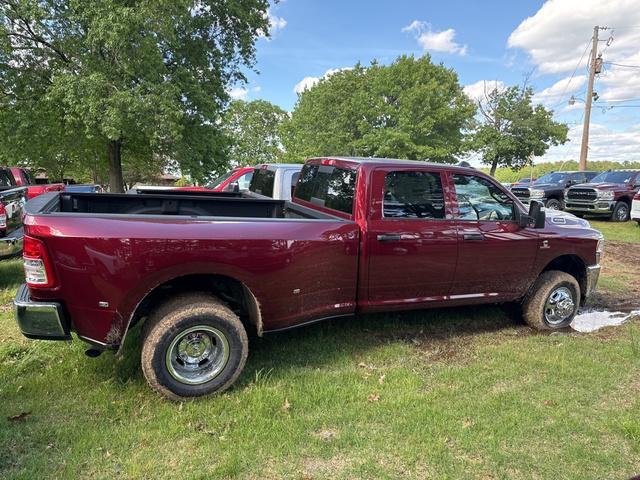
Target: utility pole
<point>587,103</point>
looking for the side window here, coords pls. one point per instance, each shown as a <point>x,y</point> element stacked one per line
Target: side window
<point>413,195</point>
<point>244,181</point>
<point>479,199</point>
<point>5,180</point>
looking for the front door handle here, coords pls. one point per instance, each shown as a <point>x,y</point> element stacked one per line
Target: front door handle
<point>389,237</point>
<point>473,236</point>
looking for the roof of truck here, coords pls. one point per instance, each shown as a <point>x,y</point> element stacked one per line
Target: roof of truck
<point>375,162</point>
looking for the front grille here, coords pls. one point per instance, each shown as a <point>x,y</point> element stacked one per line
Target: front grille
<point>582,194</point>
<point>521,192</point>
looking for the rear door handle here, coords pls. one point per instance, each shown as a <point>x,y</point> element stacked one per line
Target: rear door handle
<point>473,236</point>
<point>389,237</point>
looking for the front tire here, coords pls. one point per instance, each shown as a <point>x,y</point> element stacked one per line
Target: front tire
<point>620,212</point>
<point>552,302</point>
<point>554,204</point>
<point>193,346</point>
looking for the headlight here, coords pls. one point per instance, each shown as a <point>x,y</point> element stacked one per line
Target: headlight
<point>536,193</point>
<point>600,246</point>
<point>566,192</point>
<point>606,194</point>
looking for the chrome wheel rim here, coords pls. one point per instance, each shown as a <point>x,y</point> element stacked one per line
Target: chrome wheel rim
<point>622,213</point>
<point>553,206</point>
<point>197,355</point>
<point>559,307</point>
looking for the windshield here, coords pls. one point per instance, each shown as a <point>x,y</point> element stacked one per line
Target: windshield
<point>614,177</point>
<point>215,183</point>
<point>553,178</point>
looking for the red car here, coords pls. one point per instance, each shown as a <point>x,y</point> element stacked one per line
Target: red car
<point>236,180</point>
<point>24,178</point>
<point>360,235</point>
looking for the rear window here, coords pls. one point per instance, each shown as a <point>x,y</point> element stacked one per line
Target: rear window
<point>327,186</point>
<point>262,182</point>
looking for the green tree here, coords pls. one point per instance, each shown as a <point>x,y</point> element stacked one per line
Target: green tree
<point>143,80</point>
<point>511,130</point>
<point>254,131</point>
<point>410,109</point>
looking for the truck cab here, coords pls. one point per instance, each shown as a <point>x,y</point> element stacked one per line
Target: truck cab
<point>275,180</point>
<point>24,178</point>
<point>610,195</point>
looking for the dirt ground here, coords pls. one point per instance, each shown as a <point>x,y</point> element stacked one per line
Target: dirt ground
<point>620,279</point>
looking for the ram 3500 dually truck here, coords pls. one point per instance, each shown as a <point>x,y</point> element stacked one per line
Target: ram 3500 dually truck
<point>360,235</point>
<point>549,189</point>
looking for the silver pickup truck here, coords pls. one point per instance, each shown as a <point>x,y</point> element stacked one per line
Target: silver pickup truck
<point>12,201</point>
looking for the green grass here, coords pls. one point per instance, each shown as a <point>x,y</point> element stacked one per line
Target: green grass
<point>456,393</point>
<point>619,232</point>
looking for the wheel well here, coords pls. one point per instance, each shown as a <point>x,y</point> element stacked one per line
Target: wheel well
<point>232,292</point>
<point>574,266</point>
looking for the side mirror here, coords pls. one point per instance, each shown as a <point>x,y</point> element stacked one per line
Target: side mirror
<point>536,217</point>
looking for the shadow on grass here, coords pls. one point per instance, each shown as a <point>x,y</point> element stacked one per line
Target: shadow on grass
<point>450,331</point>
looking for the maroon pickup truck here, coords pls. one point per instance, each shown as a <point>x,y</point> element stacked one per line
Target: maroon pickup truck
<point>610,194</point>
<point>360,235</point>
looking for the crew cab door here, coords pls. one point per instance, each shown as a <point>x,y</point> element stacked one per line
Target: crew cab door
<point>496,255</point>
<point>412,246</point>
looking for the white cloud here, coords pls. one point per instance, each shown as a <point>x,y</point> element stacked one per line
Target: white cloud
<point>443,41</point>
<point>604,144</point>
<point>309,82</point>
<point>476,91</point>
<point>556,35</point>
<point>240,93</point>
<point>556,93</point>
<point>276,24</point>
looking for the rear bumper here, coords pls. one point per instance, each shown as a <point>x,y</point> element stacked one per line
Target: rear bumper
<point>40,320</point>
<point>593,273</point>
<point>603,207</point>
<point>12,243</point>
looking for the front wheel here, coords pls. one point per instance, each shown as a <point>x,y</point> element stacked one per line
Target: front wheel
<point>554,204</point>
<point>193,346</point>
<point>620,212</point>
<point>552,302</point>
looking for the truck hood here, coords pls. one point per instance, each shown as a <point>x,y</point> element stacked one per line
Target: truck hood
<point>547,186</point>
<point>558,218</point>
<point>600,186</point>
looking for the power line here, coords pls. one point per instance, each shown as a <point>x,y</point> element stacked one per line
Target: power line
<point>622,65</point>
<point>573,74</point>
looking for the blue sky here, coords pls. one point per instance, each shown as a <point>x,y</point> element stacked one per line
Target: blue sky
<point>491,41</point>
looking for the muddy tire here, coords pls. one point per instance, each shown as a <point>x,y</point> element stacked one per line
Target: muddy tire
<point>554,204</point>
<point>552,301</point>
<point>193,345</point>
<point>620,212</point>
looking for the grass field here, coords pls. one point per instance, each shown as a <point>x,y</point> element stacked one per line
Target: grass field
<point>457,393</point>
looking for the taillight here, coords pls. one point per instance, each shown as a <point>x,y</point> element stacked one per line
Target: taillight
<point>3,217</point>
<point>38,269</point>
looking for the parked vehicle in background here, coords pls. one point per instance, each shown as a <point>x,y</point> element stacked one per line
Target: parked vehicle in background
<point>83,188</point>
<point>523,182</point>
<point>235,180</point>
<point>360,235</point>
<point>12,201</point>
<point>275,180</point>
<point>609,194</point>
<point>635,208</point>
<point>24,178</point>
<point>549,189</point>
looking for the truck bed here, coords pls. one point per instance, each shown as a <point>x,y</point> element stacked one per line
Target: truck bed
<point>164,204</point>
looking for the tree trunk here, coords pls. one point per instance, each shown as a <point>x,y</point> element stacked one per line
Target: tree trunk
<point>116,184</point>
<point>494,165</point>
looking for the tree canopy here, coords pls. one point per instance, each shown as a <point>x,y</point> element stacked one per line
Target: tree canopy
<point>410,109</point>
<point>139,80</point>
<point>254,131</point>
<point>512,130</point>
